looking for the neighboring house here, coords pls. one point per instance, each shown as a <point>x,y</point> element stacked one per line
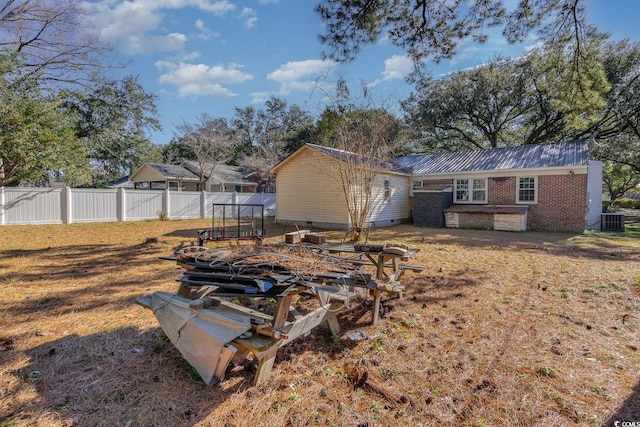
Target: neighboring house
<point>310,192</point>
<point>229,178</point>
<point>160,176</point>
<point>552,186</point>
<point>123,182</point>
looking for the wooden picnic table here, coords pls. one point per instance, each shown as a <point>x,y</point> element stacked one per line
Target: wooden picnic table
<point>206,288</point>
<point>387,263</point>
<point>265,348</point>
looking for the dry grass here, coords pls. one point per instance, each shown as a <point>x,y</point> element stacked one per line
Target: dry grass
<point>508,329</point>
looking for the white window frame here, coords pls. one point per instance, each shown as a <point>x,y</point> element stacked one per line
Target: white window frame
<point>417,185</point>
<point>535,190</point>
<point>386,188</point>
<point>470,190</point>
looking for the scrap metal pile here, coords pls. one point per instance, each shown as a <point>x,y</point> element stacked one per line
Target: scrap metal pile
<point>212,319</point>
<point>263,271</point>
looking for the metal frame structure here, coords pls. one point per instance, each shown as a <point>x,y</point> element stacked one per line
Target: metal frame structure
<point>223,227</point>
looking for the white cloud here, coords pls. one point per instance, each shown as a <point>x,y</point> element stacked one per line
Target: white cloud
<point>204,32</point>
<point>533,46</point>
<point>296,70</point>
<point>299,76</point>
<point>130,22</point>
<point>124,20</point>
<point>250,17</point>
<point>397,67</point>
<point>201,79</point>
<point>250,22</point>
<point>189,56</point>
<point>247,11</point>
<point>260,97</point>
<point>149,44</point>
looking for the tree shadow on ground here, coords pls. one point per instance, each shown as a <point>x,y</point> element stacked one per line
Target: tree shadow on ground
<point>602,246</point>
<point>628,412</point>
<point>272,229</point>
<point>93,273</point>
<point>119,377</point>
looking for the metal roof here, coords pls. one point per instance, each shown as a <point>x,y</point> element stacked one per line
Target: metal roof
<point>558,154</point>
<point>173,171</point>
<point>222,173</point>
<point>356,159</point>
<point>225,174</point>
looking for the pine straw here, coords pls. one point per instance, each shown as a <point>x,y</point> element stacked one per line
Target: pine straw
<point>269,259</point>
<point>510,329</point>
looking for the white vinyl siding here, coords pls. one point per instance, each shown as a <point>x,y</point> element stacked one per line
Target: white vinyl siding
<point>308,193</point>
<point>396,207</point>
<point>386,186</point>
<point>472,190</point>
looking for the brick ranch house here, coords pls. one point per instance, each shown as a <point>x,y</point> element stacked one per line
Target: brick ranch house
<point>554,186</point>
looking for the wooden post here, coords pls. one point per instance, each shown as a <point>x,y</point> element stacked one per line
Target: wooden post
<point>282,311</point>
<point>375,314</point>
<point>334,325</point>
<point>265,365</point>
<point>266,359</point>
<point>380,269</point>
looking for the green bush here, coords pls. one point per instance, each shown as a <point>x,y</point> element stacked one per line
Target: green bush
<point>626,203</point>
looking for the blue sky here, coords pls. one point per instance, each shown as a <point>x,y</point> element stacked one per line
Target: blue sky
<point>210,56</point>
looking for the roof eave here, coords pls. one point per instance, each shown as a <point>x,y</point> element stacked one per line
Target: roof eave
<point>555,170</point>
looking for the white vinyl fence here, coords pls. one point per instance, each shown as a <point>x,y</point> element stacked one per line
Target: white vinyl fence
<point>20,205</point>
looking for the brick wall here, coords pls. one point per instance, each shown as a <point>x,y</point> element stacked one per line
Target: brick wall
<point>562,203</point>
<point>436,182</point>
<point>502,191</point>
<point>562,200</point>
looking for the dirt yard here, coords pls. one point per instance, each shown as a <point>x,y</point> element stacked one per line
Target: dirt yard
<point>500,329</point>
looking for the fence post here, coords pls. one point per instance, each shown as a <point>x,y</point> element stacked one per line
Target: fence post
<point>234,202</point>
<point>203,204</point>
<point>166,204</point>
<point>121,205</point>
<point>2,216</point>
<point>66,202</point>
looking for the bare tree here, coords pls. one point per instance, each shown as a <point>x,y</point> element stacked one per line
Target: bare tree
<point>266,133</point>
<point>51,39</point>
<point>211,140</point>
<point>363,140</point>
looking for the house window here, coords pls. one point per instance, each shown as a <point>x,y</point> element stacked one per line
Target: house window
<point>269,188</point>
<point>417,185</point>
<point>173,185</point>
<point>158,185</point>
<point>387,190</point>
<point>471,191</point>
<point>527,190</point>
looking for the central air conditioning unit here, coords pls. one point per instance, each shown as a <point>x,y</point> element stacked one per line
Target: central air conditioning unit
<point>612,222</point>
